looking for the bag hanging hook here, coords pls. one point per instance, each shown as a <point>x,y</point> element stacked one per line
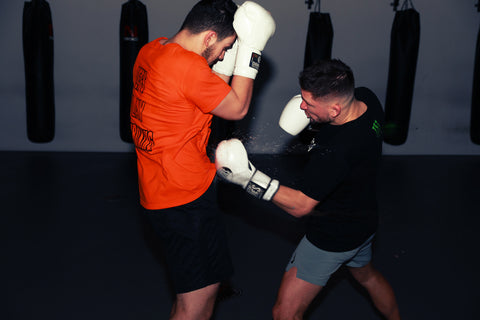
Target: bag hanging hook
<point>406,4</point>
<point>394,4</point>
<point>309,3</point>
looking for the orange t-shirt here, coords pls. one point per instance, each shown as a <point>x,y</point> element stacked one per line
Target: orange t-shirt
<point>174,91</point>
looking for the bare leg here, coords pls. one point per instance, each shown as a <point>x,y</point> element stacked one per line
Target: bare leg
<point>294,297</point>
<point>195,305</point>
<point>379,289</point>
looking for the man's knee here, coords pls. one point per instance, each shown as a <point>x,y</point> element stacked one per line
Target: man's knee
<point>286,310</point>
<point>196,304</point>
<point>281,312</point>
<point>276,312</point>
<point>363,274</point>
<point>180,312</point>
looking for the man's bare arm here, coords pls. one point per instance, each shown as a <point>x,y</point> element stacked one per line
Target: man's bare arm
<point>294,202</point>
<point>237,102</point>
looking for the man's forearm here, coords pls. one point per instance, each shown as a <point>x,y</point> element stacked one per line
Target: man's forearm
<point>294,202</point>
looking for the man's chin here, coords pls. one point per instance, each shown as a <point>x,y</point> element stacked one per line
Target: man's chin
<point>319,121</point>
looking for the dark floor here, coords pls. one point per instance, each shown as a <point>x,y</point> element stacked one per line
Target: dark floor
<point>76,247</point>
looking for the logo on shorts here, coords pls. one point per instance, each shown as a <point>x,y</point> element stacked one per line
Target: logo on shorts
<point>293,258</point>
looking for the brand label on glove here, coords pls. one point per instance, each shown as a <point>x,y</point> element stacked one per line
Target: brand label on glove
<point>255,60</point>
<point>255,190</point>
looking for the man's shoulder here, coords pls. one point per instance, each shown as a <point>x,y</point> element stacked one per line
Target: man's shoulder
<point>365,94</point>
<point>173,51</point>
<point>368,97</point>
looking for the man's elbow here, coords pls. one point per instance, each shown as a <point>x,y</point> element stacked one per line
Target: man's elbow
<point>242,114</point>
<point>239,114</point>
<point>300,212</point>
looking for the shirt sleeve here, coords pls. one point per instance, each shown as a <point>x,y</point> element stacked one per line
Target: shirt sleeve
<point>204,88</point>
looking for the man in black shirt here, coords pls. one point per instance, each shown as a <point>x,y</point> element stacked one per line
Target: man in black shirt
<point>337,192</point>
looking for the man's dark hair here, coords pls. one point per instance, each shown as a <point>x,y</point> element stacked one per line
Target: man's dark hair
<point>216,15</point>
<point>328,78</point>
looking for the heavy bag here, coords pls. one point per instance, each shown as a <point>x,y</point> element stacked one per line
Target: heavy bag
<point>133,36</point>
<point>405,38</point>
<point>319,38</point>
<point>475,116</point>
<point>37,36</point>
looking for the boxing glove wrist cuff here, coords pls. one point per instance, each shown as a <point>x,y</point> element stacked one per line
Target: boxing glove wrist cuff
<point>227,65</point>
<point>262,186</point>
<point>248,62</point>
<point>222,68</point>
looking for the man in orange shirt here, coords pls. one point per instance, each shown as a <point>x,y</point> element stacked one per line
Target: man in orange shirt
<point>176,93</point>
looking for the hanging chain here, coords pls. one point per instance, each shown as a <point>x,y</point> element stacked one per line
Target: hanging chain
<point>316,7</point>
<point>394,4</point>
<point>406,3</point>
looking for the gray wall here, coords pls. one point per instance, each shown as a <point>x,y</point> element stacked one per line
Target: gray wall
<point>87,70</point>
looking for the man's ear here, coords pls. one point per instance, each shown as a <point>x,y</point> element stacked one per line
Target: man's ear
<point>210,38</point>
<point>335,110</point>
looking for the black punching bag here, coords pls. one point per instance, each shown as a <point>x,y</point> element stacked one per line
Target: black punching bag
<point>318,47</point>
<point>405,38</point>
<point>319,38</point>
<point>38,60</point>
<point>133,36</point>
<point>475,116</point>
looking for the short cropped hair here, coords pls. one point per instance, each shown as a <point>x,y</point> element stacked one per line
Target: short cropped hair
<point>328,78</point>
<point>215,15</point>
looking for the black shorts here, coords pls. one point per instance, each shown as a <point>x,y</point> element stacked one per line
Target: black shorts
<point>195,242</point>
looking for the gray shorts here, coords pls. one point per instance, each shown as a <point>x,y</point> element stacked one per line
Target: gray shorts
<point>315,265</point>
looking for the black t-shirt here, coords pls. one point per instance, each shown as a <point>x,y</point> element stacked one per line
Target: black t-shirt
<point>341,173</point>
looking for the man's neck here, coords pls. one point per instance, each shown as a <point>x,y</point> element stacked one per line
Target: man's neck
<point>351,111</point>
<point>188,41</point>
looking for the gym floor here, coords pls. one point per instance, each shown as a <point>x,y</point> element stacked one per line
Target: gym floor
<point>77,248</point>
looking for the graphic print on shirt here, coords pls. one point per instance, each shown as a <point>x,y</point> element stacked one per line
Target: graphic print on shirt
<point>142,138</point>
<point>137,108</point>
<point>377,128</point>
<point>140,79</point>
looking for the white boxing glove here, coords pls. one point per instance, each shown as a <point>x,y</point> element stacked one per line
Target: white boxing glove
<point>231,161</point>
<point>254,26</point>
<point>293,119</point>
<point>228,63</point>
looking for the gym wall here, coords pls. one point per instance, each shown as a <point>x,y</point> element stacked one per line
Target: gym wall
<point>86,71</point>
